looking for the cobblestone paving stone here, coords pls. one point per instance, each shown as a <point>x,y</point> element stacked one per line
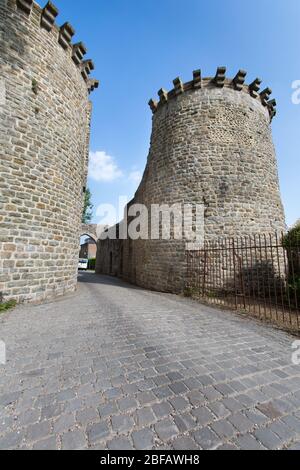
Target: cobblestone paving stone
<point>117,367</point>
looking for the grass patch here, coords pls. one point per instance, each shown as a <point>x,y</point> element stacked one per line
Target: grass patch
<point>7,305</point>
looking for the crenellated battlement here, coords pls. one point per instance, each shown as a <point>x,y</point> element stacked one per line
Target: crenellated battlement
<point>219,81</point>
<point>65,33</point>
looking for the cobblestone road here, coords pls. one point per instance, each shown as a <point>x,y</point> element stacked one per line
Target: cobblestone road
<point>114,367</point>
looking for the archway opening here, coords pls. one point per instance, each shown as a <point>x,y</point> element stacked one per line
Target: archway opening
<point>87,252</point>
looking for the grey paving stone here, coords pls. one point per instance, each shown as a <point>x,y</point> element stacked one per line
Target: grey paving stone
<point>37,431</point>
<point>219,410</point>
<point>228,447</point>
<point>52,411</point>
<point>161,410</point>
<point>122,423</point>
<point>93,401</point>
<point>203,416</point>
<point>144,417</point>
<point>64,423</point>
<point>192,383</point>
<point>174,376</point>
<point>196,398</point>
<point>120,444</point>
<point>73,440</point>
<point>126,404</point>
<point>184,443</point>
<point>98,432</point>
<point>283,405</point>
<point>74,405</point>
<point>161,380</point>
<point>29,417</point>
<point>11,440</point>
<point>237,386</point>
<point>66,395</point>
<point>113,393</point>
<point>163,392</point>
<point>224,429</point>
<point>231,404</point>
<point>294,446</point>
<point>292,422</point>
<point>87,416</point>
<point>179,403</point>
<point>9,398</point>
<point>205,380</point>
<point>270,410</point>
<point>248,442</point>
<point>185,422</point>
<point>46,444</point>
<point>283,431</point>
<point>144,439</point>
<point>207,439</point>
<point>245,400</point>
<point>241,422</point>
<point>108,409</point>
<point>211,394</point>
<point>103,370</point>
<point>178,388</point>
<point>166,429</point>
<point>6,423</point>
<point>257,418</point>
<point>268,438</point>
<point>144,398</point>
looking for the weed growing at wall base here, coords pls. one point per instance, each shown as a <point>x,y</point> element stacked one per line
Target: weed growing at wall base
<point>7,305</point>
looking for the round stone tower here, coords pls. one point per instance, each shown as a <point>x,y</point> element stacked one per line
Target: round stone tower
<point>211,145</point>
<point>44,122</point>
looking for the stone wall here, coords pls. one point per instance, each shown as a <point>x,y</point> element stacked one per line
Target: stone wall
<point>211,144</point>
<point>90,230</point>
<point>44,124</point>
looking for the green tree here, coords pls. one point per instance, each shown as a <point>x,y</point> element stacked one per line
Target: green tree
<point>292,238</point>
<point>87,207</point>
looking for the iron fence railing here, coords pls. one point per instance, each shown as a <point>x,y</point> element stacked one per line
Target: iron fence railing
<point>259,274</point>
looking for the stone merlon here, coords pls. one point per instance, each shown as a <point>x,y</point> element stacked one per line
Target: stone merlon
<point>86,67</point>
<point>219,81</point>
<point>64,33</point>
<point>79,50</point>
<point>25,5</point>
<point>49,14</point>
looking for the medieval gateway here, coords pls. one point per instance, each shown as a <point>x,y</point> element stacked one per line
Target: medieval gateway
<point>211,145</point>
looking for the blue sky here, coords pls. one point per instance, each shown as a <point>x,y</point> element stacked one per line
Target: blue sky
<point>139,46</point>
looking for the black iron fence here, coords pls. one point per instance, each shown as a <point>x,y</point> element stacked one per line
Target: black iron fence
<point>258,274</point>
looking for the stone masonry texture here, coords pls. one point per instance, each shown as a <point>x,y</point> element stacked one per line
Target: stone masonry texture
<point>118,367</point>
<point>211,145</point>
<point>44,126</point>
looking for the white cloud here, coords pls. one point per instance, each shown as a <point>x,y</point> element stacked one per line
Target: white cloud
<point>103,167</point>
<point>135,176</point>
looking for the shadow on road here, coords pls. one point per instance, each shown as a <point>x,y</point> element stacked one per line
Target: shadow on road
<point>93,278</point>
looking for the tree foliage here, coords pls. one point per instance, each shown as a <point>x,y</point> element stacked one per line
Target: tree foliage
<point>292,238</point>
<point>87,207</point>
